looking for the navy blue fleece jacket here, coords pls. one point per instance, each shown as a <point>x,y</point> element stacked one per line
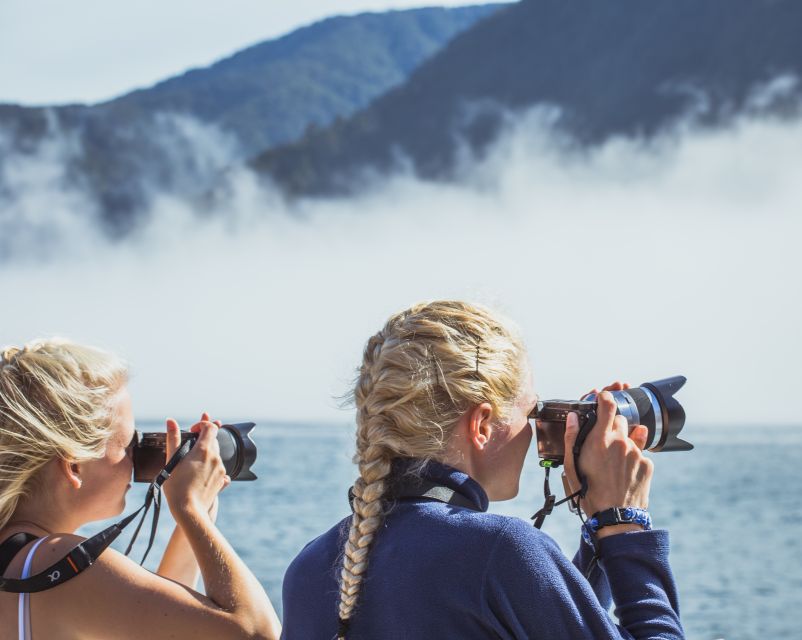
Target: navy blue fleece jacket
<point>441,571</point>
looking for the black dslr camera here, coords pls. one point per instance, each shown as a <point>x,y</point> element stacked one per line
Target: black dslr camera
<point>237,449</point>
<point>651,405</point>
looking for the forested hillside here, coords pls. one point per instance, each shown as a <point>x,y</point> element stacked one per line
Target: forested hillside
<point>620,67</point>
<point>149,141</point>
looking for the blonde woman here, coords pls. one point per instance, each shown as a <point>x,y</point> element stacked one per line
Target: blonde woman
<point>66,426</point>
<point>443,397</point>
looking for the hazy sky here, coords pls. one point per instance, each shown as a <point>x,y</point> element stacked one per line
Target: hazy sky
<point>681,257</point>
<point>628,262</point>
<point>53,51</point>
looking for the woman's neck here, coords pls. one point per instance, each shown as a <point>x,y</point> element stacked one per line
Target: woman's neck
<point>46,514</point>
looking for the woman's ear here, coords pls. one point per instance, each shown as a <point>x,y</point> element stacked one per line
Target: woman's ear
<point>480,427</point>
<point>71,471</point>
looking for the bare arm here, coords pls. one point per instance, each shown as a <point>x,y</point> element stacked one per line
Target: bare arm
<point>116,598</point>
<point>191,492</point>
<point>178,562</point>
<point>228,581</point>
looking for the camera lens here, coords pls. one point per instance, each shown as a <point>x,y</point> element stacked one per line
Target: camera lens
<point>652,405</point>
<point>237,450</point>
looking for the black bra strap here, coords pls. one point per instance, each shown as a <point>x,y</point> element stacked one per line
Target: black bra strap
<point>11,547</point>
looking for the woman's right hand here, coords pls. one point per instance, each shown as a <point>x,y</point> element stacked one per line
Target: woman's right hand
<point>196,481</point>
<point>618,473</point>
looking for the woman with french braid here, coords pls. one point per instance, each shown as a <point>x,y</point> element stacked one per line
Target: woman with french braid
<point>443,398</point>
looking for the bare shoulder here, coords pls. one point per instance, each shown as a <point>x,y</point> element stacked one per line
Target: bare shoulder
<point>52,549</point>
<point>111,576</point>
<point>111,567</point>
<point>49,550</point>
<point>107,599</point>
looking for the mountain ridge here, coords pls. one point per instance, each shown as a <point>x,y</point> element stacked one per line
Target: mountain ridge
<point>611,68</point>
<point>267,94</point>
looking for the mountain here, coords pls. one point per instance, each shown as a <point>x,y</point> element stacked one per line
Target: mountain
<point>270,93</point>
<point>265,95</point>
<point>619,67</point>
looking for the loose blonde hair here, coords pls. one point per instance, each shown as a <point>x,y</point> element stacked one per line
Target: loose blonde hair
<point>420,373</point>
<point>55,401</point>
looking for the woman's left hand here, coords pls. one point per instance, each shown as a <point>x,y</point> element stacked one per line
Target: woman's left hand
<point>173,443</point>
<point>178,562</point>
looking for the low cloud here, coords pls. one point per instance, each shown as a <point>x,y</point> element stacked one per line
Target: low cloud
<point>634,259</point>
<point>53,189</point>
<point>41,210</point>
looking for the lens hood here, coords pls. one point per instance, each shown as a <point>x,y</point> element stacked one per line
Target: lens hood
<point>672,413</point>
<point>240,450</point>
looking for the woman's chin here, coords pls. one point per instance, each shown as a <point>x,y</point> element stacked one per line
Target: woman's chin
<point>507,493</point>
<point>120,508</point>
<point>511,494</point>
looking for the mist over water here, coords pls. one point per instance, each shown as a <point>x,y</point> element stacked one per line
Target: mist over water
<point>633,260</point>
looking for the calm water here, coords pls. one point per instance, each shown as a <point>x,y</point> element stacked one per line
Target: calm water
<point>732,506</point>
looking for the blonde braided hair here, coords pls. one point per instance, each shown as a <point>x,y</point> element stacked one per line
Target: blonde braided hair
<point>427,366</point>
<point>55,401</point>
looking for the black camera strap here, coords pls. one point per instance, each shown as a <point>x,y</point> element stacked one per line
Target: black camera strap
<point>415,487</point>
<point>573,499</point>
<point>584,429</point>
<point>550,499</point>
<point>551,502</point>
<point>11,547</point>
<point>83,555</point>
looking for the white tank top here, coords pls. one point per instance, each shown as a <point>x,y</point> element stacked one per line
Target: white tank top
<point>24,611</point>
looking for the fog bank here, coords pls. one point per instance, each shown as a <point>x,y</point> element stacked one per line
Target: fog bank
<point>631,261</point>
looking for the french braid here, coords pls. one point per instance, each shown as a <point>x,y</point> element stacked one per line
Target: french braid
<point>419,374</point>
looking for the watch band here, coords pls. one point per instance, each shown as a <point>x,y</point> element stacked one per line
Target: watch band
<point>613,516</point>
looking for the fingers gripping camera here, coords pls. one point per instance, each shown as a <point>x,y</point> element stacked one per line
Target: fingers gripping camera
<point>237,449</point>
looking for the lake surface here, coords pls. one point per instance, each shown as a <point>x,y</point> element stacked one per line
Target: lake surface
<point>733,507</point>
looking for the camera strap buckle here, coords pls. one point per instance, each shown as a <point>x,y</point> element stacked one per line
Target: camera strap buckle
<point>545,510</point>
<point>549,504</point>
<point>551,500</point>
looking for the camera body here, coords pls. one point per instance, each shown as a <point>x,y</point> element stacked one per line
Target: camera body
<point>237,450</point>
<point>551,416</point>
<point>652,405</point>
